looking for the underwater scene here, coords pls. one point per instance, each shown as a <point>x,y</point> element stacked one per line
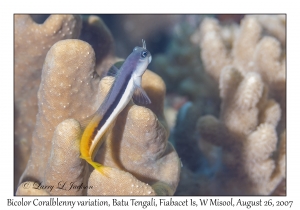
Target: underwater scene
<point>150,104</point>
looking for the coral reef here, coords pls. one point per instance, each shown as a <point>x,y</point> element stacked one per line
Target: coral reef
<point>246,145</point>
<point>136,148</point>
<point>274,25</point>
<point>31,44</point>
<point>249,51</point>
<point>246,132</point>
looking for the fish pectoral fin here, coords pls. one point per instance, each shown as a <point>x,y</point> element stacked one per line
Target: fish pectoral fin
<point>140,97</point>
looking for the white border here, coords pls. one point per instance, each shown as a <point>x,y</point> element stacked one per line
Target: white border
<point>150,6</point>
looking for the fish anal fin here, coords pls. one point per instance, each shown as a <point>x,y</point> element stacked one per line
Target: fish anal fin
<point>104,170</point>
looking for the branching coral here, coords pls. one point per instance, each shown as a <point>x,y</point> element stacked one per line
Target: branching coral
<point>70,91</point>
<point>250,133</point>
<point>274,25</point>
<point>246,132</point>
<point>250,51</point>
<point>248,120</point>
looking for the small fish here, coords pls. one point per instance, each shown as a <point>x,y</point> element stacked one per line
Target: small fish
<point>127,84</point>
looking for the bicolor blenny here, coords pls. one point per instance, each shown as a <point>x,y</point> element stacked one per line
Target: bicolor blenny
<point>127,85</point>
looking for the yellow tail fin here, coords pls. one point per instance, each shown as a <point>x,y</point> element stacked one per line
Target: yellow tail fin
<point>104,170</point>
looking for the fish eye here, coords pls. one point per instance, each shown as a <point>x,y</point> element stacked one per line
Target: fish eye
<point>144,54</point>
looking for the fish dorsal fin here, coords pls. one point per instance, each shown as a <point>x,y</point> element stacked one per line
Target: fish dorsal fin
<point>113,71</point>
<point>140,97</point>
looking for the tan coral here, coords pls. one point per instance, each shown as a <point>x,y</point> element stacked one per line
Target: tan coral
<point>267,58</point>
<point>68,73</point>
<point>31,44</point>
<point>259,165</point>
<point>250,51</point>
<point>214,53</point>
<point>245,44</point>
<point>275,25</point>
<point>123,183</point>
<point>243,103</point>
<point>64,160</point>
<point>247,135</point>
<point>70,88</point>
<point>249,116</point>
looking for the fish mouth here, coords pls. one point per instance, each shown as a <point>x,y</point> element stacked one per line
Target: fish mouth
<point>150,59</point>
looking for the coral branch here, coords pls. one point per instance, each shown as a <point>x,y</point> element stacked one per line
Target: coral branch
<point>64,159</point>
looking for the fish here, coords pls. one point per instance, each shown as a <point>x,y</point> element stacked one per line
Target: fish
<point>126,86</point>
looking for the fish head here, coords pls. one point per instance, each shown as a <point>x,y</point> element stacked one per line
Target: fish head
<point>143,58</point>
